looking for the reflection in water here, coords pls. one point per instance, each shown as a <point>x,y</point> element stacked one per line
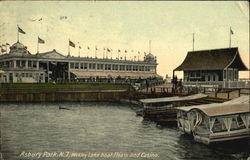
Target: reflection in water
<point>95,128</point>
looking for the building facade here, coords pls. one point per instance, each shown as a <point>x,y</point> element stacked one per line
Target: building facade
<point>19,65</point>
<point>212,67</point>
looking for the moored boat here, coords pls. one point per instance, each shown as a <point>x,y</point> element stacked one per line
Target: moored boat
<point>215,123</point>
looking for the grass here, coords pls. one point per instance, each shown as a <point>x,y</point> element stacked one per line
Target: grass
<point>50,87</point>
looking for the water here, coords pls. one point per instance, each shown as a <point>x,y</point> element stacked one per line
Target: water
<point>97,131</point>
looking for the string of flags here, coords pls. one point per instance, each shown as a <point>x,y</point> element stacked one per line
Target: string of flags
<point>106,50</point>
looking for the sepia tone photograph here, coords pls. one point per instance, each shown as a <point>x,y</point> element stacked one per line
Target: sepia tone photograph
<point>124,80</point>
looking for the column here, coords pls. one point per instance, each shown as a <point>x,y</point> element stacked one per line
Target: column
<point>69,71</point>
<point>48,70</point>
<point>26,64</point>
<point>14,63</point>
<point>37,65</point>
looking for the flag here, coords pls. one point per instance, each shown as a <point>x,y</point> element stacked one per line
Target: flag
<point>40,40</point>
<point>108,49</point>
<point>231,31</point>
<point>96,48</point>
<point>72,44</point>
<point>20,30</point>
<point>119,50</point>
<point>88,47</point>
<point>80,47</point>
<point>125,51</point>
<point>7,44</point>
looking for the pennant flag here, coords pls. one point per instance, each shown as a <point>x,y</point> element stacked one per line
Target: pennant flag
<point>96,48</point>
<point>20,30</point>
<point>125,51</point>
<point>41,40</point>
<point>108,49</point>
<point>72,44</point>
<point>119,50</point>
<point>7,44</point>
<point>231,31</point>
<point>80,47</point>
<point>88,47</point>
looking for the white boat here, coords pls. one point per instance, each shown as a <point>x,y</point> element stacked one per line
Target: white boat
<point>216,122</point>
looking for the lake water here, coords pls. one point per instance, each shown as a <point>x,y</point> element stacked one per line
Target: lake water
<point>97,131</point>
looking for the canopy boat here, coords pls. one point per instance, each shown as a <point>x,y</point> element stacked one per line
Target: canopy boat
<point>216,122</point>
<point>163,110</point>
<point>186,119</point>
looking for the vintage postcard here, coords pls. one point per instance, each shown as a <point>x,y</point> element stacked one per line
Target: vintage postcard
<point>124,80</point>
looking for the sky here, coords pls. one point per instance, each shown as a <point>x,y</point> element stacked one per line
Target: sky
<point>129,25</point>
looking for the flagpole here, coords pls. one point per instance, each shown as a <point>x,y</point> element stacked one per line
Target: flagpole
<point>68,48</point>
<point>103,53</point>
<point>95,51</point>
<point>193,41</point>
<point>230,37</point>
<point>37,46</point>
<point>17,34</point>
<point>149,46</point>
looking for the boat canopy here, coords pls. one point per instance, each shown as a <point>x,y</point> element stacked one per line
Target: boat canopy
<point>173,99</point>
<point>239,100</point>
<point>224,109</point>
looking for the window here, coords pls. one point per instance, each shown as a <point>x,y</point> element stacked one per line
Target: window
<point>224,74</point>
<point>23,64</point>
<point>76,65</point>
<point>81,65</point>
<point>72,65</point>
<point>18,63</point>
<point>34,64</point>
<point>122,67</point>
<point>85,65</point>
<point>29,64</point>
<point>99,66</point>
<point>235,74</point>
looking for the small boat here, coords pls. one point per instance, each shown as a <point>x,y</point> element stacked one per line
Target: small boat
<point>163,110</point>
<point>60,107</point>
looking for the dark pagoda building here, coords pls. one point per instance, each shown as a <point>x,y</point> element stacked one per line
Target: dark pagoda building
<point>217,67</point>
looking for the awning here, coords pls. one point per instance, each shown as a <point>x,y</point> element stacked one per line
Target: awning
<point>133,75</point>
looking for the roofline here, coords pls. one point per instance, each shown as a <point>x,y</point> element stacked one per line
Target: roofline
<point>220,115</point>
<point>232,59</point>
<point>212,49</point>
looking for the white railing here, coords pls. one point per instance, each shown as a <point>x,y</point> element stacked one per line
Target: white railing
<point>219,84</point>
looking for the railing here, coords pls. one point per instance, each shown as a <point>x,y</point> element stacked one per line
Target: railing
<point>219,84</point>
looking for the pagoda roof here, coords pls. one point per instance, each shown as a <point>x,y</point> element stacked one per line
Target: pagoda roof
<point>215,59</point>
